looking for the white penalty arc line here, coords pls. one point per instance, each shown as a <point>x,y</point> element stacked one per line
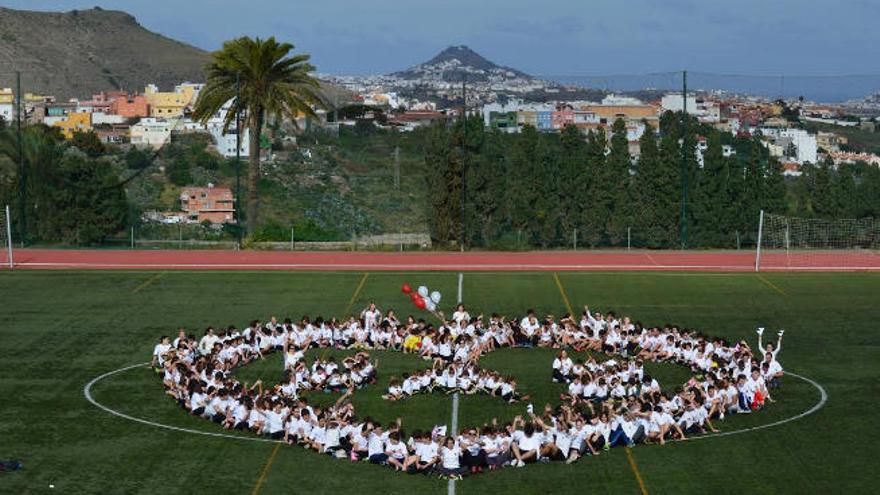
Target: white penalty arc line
<point>87,392</point>
<point>823,398</point>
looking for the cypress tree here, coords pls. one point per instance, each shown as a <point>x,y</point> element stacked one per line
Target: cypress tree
<point>616,176</point>
<point>571,166</point>
<point>595,208</point>
<point>712,225</point>
<point>442,184</point>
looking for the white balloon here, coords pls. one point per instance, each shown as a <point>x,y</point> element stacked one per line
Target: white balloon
<point>423,291</point>
<point>435,296</point>
<point>429,305</point>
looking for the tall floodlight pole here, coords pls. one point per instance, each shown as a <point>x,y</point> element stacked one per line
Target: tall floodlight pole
<point>684,151</point>
<point>22,173</point>
<point>238,159</point>
<point>463,155</point>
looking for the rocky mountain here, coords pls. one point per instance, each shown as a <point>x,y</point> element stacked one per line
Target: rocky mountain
<point>455,63</point>
<point>81,52</point>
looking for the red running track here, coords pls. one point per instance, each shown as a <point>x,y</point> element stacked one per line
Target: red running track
<point>727,261</point>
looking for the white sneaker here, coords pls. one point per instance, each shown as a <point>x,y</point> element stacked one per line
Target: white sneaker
<point>520,464</point>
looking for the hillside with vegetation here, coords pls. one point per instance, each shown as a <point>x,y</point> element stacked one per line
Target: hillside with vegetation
<point>327,187</point>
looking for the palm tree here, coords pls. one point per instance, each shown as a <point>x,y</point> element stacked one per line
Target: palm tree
<point>270,83</point>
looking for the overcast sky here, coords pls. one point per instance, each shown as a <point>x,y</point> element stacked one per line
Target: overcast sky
<point>543,37</point>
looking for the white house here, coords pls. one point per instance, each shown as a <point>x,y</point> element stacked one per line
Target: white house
<point>705,110</point>
<point>226,141</point>
<point>151,132</point>
<point>807,149</point>
<point>106,118</point>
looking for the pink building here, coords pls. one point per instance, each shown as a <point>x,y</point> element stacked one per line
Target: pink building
<point>100,102</point>
<point>562,116</point>
<point>212,204</point>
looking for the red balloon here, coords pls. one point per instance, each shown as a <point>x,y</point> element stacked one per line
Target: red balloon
<point>420,303</point>
<point>406,289</point>
<point>415,296</point>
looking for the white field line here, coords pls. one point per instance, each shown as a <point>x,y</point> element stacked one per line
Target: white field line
<point>440,267</point>
<point>450,487</point>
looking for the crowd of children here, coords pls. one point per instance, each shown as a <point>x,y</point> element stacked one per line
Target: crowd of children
<point>454,377</point>
<point>325,374</point>
<point>607,403</point>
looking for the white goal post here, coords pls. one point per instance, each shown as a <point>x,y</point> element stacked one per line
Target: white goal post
<point>6,236</point>
<point>795,243</point>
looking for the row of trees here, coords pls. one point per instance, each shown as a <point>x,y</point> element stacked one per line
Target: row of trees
<point>68,196</point>
<point>534,189</point>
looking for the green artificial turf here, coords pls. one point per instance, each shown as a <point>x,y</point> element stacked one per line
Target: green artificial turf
<point>62,329</point>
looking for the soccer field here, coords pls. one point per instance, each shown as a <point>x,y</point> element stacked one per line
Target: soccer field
<point>62,329</point>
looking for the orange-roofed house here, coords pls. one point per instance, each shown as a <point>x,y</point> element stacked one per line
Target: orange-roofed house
<point>791,169</point>
<point>212,204</point>
<point>130,106</point>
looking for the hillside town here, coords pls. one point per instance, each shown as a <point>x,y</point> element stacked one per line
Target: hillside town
<point>149,118</point>
<point>500,96</point>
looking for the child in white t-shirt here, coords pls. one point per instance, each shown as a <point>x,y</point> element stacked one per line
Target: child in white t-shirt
<point>159,353</point>
<point>450,463</point>
<point>396,451</point>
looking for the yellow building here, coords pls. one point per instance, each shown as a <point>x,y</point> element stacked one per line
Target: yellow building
<point>75,122</point>
<point>189,91</point>
<point>34,98</point>
<point>167,105</point>
<point>607,114</point>
<point>7,96</point>
<point>527,117</point>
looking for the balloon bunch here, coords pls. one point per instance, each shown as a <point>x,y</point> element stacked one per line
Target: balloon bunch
<point>422,297</point>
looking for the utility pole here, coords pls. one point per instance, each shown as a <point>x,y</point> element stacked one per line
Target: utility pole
<point>684,152</point>
<point>22,173</point>
<point>238,223</point>
<point>463,153</point>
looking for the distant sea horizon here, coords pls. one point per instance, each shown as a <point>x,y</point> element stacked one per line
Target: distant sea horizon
<point>822,89</point>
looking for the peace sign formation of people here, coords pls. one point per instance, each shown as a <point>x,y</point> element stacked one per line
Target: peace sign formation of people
<point>608,402</point>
